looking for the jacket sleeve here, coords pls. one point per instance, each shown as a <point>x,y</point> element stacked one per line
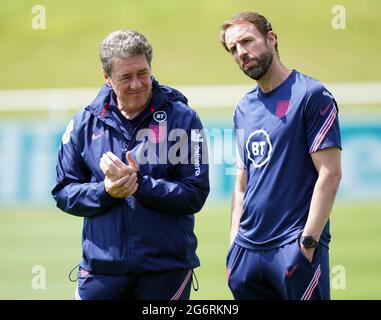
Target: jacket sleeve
<point>73,191</point>
<point>187,189</point>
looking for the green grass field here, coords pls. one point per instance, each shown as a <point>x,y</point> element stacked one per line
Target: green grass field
<point>184,35</point>
<point>46,237</point>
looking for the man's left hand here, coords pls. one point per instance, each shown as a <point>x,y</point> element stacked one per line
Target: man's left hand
<point>308,253</point>
<point>114,168</point>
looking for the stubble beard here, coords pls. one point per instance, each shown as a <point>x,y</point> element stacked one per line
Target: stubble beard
<point>263,65</point>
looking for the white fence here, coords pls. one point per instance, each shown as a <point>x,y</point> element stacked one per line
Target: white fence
<point>223,96</point>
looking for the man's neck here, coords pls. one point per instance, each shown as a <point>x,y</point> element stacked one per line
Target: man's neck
<point>130,114</point>
<point>276,74</point>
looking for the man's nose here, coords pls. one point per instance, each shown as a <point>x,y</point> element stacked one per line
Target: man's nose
<point>135,84</point>
<point>241,51</point>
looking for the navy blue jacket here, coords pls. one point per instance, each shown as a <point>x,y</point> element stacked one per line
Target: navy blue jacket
<point>153,229</point>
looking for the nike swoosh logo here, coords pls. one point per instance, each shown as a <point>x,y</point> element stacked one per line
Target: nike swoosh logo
<point>323,112</point>
<point>291,272</point>
<point>96,136</point>
<point>325,93</point>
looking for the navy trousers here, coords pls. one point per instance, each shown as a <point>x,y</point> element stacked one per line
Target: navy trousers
<point>168,285</point>
<point>281,273</point>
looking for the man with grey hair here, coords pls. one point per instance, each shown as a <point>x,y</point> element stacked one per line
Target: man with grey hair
<point>138,238</point>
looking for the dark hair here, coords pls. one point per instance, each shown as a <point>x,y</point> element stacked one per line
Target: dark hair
<point>259,21</point>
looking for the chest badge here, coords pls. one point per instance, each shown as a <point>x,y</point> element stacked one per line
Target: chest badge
<point>282,108</point>
<point>259,148</point>
<point>157,133</point>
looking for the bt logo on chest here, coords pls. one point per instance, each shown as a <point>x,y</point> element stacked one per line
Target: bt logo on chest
<point>160,116</point>
<point>259,148</point>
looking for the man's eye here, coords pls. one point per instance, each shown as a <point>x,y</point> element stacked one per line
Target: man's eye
<point>247,41</point>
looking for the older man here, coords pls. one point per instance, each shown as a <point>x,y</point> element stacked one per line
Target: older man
<point>127,165</point>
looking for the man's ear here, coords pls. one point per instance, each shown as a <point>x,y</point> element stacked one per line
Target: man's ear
<point>107,78</point>
<point>271,38</point>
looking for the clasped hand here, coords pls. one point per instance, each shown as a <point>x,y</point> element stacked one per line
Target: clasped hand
<point>120,179</point>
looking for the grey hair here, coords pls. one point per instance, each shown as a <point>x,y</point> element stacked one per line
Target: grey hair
<point>123,44</point>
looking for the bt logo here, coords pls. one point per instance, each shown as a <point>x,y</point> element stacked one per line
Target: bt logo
<point>259,148</point>
<point>160,116</point>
